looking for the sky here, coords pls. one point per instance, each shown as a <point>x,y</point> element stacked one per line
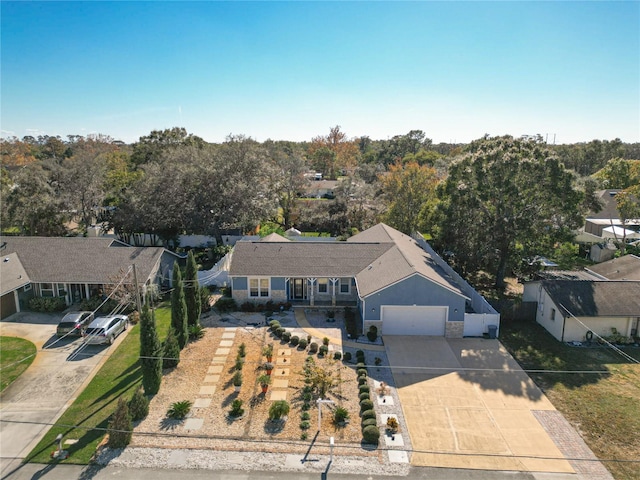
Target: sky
<point>569,71</point>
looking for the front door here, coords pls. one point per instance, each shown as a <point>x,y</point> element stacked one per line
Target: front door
<point>298,288</point>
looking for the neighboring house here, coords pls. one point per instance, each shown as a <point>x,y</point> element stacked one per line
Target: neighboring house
<point>626,267</point>
<point>607,222</point>
<point>396,282</point>
<point>75,268</point>
<point>321,189</point>
<point>570,308</point>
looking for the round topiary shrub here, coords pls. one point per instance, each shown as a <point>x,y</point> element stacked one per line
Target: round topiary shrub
<point>286,336</point>
<point>305,416</point>
<point>362,380</point>
<point>294,340</point>
<point>366,405</point>
<point>361,372</point>
<point>364,396</point>
<point>361,365</point>
<point>313,347</point>
<point>302,344</point>
<point>369,421</point>
<point>279,331</point>
<point>337,355</point>
<point>359,353</point>
<point>273,324</point>
<point>368,414</point>
<point>323,350</point>
<point>364,388</point>
<point>371,434</point>
<point>305,425</point>
<point>307,397</point>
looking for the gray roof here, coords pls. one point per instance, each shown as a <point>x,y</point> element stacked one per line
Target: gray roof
<point>622,268</point>
<point>274,237</point>
<point>12,274</point>
<point>606,298</point>
<point>377,257</point>
<point>80,259</point>
<point>567,275</point>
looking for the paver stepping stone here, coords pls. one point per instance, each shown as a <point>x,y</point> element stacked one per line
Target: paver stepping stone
<point>280,372</point>
<point>219,360</point>
<point>278,395</point>
<point>207,390</point>
<point>223,351</point>
<point>177,458</point>
<point>393,440</point>
<point>230,329</point>
<point>228,335</point>
<point>284,352</point>
<point>280,383</point>
<point>211,379</point>
<point>193,423</point>
<point>215,369</point>
<point>385,399</point>
<point>283,361</point>
<point>226,343</point>
<point>202,403</point>
<point>398,456</point>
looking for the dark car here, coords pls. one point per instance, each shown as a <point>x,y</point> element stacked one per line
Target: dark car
<point>74,323</point>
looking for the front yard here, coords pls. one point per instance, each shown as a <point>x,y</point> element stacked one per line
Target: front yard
<point>604,408</point>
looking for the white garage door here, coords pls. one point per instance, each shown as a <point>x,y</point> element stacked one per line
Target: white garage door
<point>413,320</point>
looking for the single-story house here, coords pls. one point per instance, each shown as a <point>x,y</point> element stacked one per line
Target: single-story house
<point>397,284</point>
<point>74,268</point>
<point>626,267</point>
<point>569,309</point>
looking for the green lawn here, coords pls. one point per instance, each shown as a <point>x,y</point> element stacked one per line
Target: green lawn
<point>606,408</point>
<point>86,419</point>
<point>16,354</point>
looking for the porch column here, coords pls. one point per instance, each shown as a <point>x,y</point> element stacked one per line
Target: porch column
<point>287,287</point>
<point>312,282</point>
<point>334,282</point>
<point>86,291</point>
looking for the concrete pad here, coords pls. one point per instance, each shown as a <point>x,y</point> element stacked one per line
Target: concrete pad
<point>280,383</point>
<point>215,369</point>
<point>393,440</point>
<point>219,360</point>
<point>193,423</point>
<point>283,361</point>
<point>278,395</point>
<point>226,343</point>
<point>294,461</point>
<point>211,379</point>
<point>230,329</point>
<point>223,351</point>
<point>384,399</point>
<point>280,372</point>
<point>207,390</point>
<point>228,335</point>
<point>286,352</point>
<point>202,403</point>
<point>177,458</point>
<point>398,456</point>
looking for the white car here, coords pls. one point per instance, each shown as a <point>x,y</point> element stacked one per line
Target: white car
<point>105,329</point>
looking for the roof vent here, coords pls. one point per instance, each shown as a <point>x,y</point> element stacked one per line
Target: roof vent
<point>6,259</point>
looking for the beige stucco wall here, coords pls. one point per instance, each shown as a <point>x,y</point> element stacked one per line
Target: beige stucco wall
<point>574,331</point>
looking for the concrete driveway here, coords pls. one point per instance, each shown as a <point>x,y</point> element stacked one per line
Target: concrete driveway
<point>470,419</point>
<point>42,393</point>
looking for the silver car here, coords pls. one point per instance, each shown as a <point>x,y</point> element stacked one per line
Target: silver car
<point>105,329</point>
<point>74,323</point>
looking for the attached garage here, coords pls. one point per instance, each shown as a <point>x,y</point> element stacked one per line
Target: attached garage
<point>7,305</point>
<point>413,320</point>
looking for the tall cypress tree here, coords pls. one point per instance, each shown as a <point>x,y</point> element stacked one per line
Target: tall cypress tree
<point>179,308</point>
<point>150,352</point>
<point>192,291</point>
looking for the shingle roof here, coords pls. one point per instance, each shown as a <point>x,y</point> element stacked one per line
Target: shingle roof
<point>274,237</point>
<point>12,274</point>
<point>622,268</point>
<point>606,298</point>
<point>80,259</point>
<point>377,257</point>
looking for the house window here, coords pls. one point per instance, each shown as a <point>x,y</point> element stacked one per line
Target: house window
<point>323,285</point>
<point>258,287</point>
<point>553,314</point>
<point>345,285</point>
<point>46,289</point>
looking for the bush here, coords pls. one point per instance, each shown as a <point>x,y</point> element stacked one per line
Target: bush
<point>139,405</point>
<point>362,380</point>
<point>361,365</point>
<point>377,361</point>
<point>313,347</point>
<point>279,331</point>
<point>323,350</point>
<point>273,322</point>
<point>371,434</point>
<point>239,363</point>
<point>286,336</point>
<point>364,388</point>
<point>278,409</point>
<point>47,304</point>
<point>364,396</point>
<point>247,307</point>
<point>170,351</point>
<point>237,379</point>
<point>368,414</point>
<point>305,416</point>
<point>179,410</point>
<point>366,405</point>
<point>302,344</point>
<point>361,371</point>
<point>359,353</point>
<point>372,334</point>
<point>369,421</point>
<point>205,294</point>
<point>305,425</point>
<point>196,332</point>
<point>242,350</point>
<point>294,340</point>
<point>337,355</point>
<point>347,356</point>
<point>225,304</point>
<point>306,406</point>
<point>236,408</point>
<point>340,414</point>
<point>274,326</point>
<point>325,341</point>
<point>308,339</point>
<point>307,397</point>
<point>120,426</point>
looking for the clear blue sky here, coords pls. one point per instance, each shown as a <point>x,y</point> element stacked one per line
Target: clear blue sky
<point>292,70</point>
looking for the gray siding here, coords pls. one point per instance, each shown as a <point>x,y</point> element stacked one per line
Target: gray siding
<point>239,283</point>
<point>277,283</point>
<point>415,290</point>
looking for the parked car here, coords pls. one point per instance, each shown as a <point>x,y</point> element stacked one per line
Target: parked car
<point>74,323</point>
<point>105,329</point>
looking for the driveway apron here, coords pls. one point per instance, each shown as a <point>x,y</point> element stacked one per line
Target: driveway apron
<point>481,418</point>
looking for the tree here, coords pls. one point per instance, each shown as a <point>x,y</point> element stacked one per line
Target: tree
<point>410,193</point>
<point>504,195</point>
<point>628,202</point>
<point>150,352</point>
<point>170,350</point>
<point>619,173</point>
<point>278,409</point>
<point>192,291</point>
<point>153,147</point>
<point>179,308</point>
<point>334,152</point>
<point>120,426</point>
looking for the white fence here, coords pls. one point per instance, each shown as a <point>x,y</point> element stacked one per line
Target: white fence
<point>477,324</point>
<point>218,275</point>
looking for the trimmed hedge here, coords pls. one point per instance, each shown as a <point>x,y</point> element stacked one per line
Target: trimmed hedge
<point>371,434</point>
<point>313,347</point>
<point>369,421</point>
<point>366,405</point>
<point>364,388</point>
<point>294,340</point>
<point>368,414</point>
<point>362,380</point>
<point>302,343</point>
<point>364,396</point>
<point>347,356</point>
<point>361,372</point>
<point>337,355</point>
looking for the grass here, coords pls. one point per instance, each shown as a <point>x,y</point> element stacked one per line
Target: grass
<point>16,354</point>
<point>86,419</point>
<point>604,407</point>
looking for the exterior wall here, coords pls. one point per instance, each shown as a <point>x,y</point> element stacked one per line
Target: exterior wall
<point>240,290</point>
<point>544,314</point>
<point>531,292</point>
<point>574,331</point>
<point>414,290</point>
<point>454,329</point>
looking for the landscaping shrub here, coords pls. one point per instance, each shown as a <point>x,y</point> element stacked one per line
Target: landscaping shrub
<point>347,356</point>
<point>377,361</point>
<point>247,307</point>
<point>273,322</point>
<point>364,396</point>
<point>337,355</point>
<point>306,406</point>
<point>236,408</point>
<point>305,425</point>
<point>205,295</point>
<point>242,350</point>
<point>308,339</point>
<point>151,352</point>
<point>364,388</point>
<point>323,350</point>
<point>307,388</point>
<point>47,304</point>
<point>372,334</point>
<point>368,414</point>
<point>237,379</point>
<point>225,304</point>
<point>302,344</point>
<point>120,426</point>
<point>369,421</point>
<point>359,354</point>
<point>371,434</point>
<point>313,347</point>
<point>279,331</point>
<point>361,371</point>
<point>294,340</point>
<point>361,365</point>
<point>196,332</point>
<point>171,351</point>
<point>307,397</point>
<point>179,410</point>
<point>239,363</point>
<point>366,405</point>
<point>138,405</point>
<point>340,414</point>
<point>275,325</point>
<point>286,336</point>
<point>278,409</point>
<point>305,416</point>
<point>362,380</point>
<point>325,341</point>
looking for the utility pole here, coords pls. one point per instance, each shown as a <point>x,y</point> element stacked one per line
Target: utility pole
<point>137,290</point>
